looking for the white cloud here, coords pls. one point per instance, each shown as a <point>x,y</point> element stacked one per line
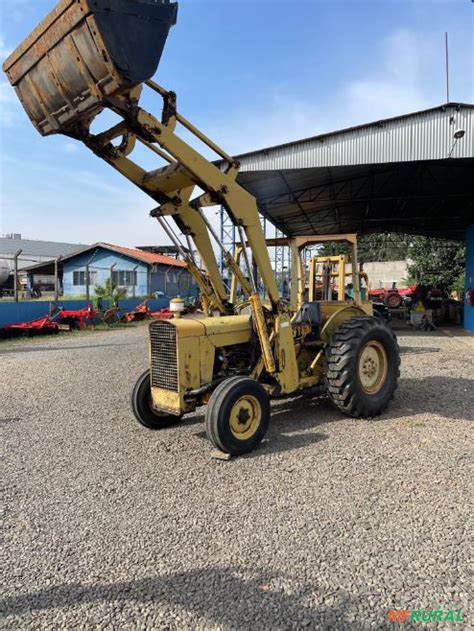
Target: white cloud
<point>408,76</point>
<point>15,9</point>
<point>4,49</point>
<point>7,94</point>
<point>70,147</point>
<point>9,105</point>
<point>92,204</point>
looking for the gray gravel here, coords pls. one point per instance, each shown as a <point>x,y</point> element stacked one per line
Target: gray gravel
<point>328,525</point>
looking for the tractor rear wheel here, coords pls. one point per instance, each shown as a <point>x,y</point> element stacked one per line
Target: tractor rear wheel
<point>363,366</point>
<point>393,300</point>
<point>143,410</point>
<point>237,415</point>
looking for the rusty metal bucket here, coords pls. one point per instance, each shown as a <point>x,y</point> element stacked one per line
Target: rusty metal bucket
<point>84,52</point>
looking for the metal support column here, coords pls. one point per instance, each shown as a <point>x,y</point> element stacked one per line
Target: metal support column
<point>469,286</point>
<point>227,236</point>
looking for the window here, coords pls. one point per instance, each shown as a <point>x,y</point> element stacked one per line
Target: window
<point>124,278</point>
<point>79,278</point>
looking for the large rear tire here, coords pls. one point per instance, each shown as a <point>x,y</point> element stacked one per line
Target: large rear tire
<point>393,300</point>
<point>142,408</point>
<point>237,415</point>
<point>363,366</point>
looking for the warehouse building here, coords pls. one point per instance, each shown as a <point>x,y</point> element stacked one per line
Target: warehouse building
<point>32,250</point>
<point>19,254</point>
<point>410,174</point>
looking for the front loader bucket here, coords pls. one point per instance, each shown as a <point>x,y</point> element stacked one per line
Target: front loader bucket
<point>84,52</point>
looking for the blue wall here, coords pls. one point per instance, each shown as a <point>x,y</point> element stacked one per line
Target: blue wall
<point>100,261</point>
<point>469,309</point>
<point>169,280</point>
<point>14,312</point>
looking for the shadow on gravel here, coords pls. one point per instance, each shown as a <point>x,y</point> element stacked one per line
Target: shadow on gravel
<point>43,349</point>
<point>437,395</point>
<point>442,396</point>
<point>216,595</point>
<point>417,350</point>
<point>292,424</point>
<point>294,421</point>
<point>279,442</point>
<point>444,332</point>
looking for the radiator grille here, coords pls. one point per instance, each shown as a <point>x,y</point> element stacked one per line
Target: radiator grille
<point>164,368</point>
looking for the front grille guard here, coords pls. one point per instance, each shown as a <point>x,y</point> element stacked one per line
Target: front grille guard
<point>164,360</point>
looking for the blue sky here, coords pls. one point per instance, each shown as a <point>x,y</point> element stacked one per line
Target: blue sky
<point>250,73</point>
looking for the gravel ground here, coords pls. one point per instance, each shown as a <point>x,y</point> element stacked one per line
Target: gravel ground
<point>328,525</point>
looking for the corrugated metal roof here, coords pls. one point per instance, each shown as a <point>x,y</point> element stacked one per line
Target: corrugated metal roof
<point>424,135</point>
<point>431,197</point>
<point>43,249</point>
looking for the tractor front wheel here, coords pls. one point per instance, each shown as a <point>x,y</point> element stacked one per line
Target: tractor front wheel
<point>142,407</point>
<point>237,415</point>
<point>363,365</point>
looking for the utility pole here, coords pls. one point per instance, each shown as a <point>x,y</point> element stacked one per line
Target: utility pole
<point>134,280</point>
<point>87,283</point>
<point>112,267</point>
<point>15,274</point>
<point>56,278</point>
<point>447,65</point>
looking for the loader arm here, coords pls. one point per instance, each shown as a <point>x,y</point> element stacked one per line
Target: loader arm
<point>87,56</point>
<point>188,168</point>
<point>171,186</point>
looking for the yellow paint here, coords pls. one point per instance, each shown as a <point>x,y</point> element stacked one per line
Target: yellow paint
<point>288,374</point>
<point>372,367</point>
<point>261,327</point>
<point>166,400</point>
<point>245,417</point>
<point>337,318</point>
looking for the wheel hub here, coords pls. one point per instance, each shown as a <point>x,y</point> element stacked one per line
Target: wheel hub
<point>373,366</point>
<point>245,417</point>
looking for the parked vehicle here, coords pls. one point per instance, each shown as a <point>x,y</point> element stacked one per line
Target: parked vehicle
<point>394,298</point>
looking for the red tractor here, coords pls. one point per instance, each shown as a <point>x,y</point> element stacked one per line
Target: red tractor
<point>393,297</point>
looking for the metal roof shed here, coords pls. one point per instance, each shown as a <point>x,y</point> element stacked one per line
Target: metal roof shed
<point>404,174</point>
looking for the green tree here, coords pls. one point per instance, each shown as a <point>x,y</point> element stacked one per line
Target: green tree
<point>432,261</point>
<point>373,247</point>
<point>110,292</point>
<point>436,262</point>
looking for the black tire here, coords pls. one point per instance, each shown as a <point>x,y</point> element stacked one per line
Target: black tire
<point>344,354</point>
<point>221,415</point>
<point>142,409</point>
<point>393,300</point>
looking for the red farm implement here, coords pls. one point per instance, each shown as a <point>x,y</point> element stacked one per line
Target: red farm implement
<point>141,312</point>
<point>78,318</point>
<point>162,314</point>
<point>45,325</point>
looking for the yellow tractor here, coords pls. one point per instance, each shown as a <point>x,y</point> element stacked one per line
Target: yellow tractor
<point>87,56</point>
